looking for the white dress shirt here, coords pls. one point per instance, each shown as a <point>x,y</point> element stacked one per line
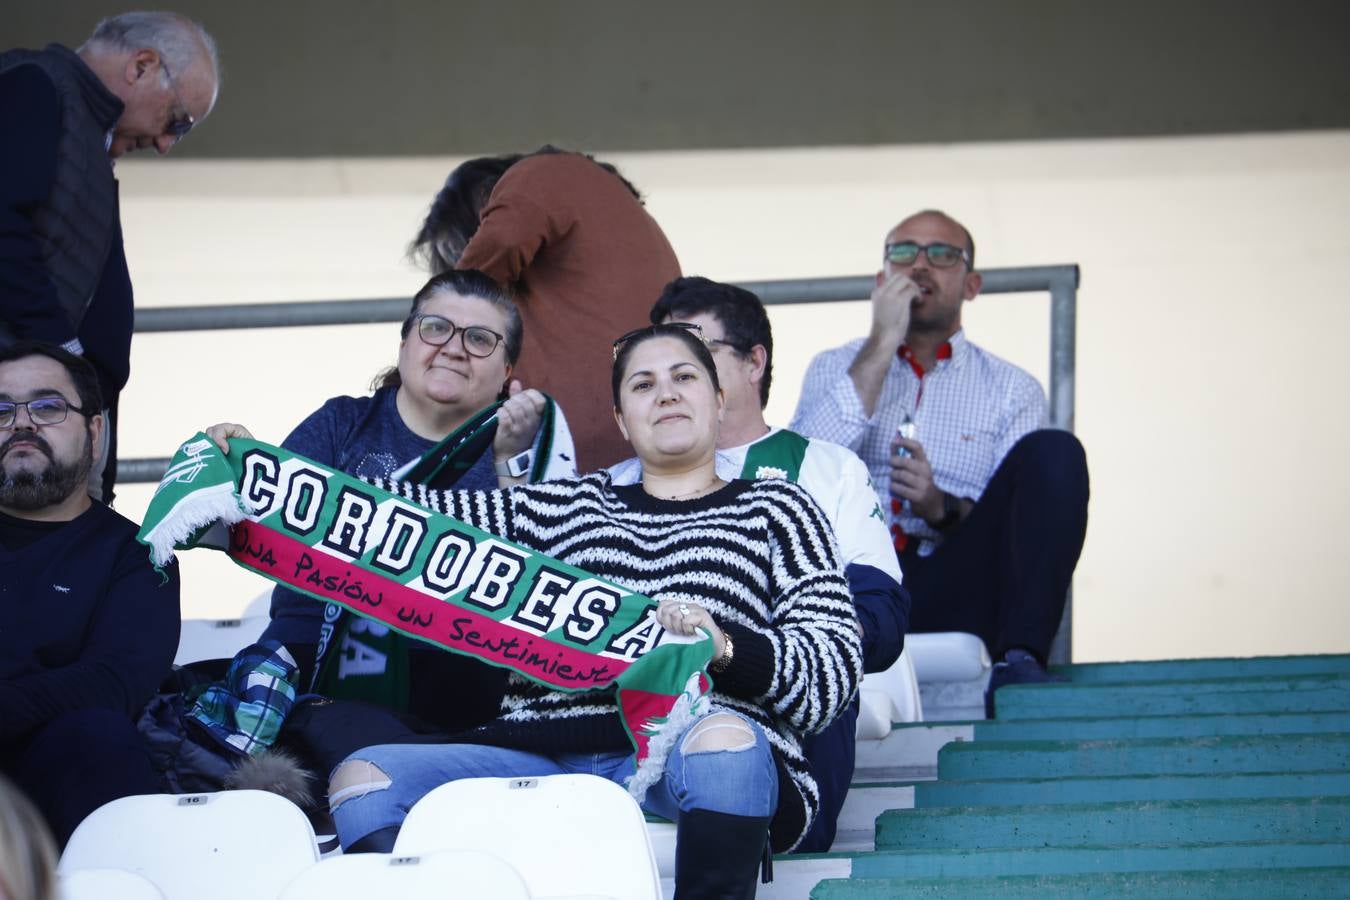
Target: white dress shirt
<point>969,411</point>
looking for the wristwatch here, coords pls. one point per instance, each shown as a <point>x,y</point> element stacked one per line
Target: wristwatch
<point>951,513</point>
<point>516,466</point>
<point>728,651</point>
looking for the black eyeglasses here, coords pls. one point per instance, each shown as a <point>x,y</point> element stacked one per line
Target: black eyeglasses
<point>653,330</point>
<point>42,411</point>
<point>475,339</point>
<point>718,342</point>
<point>183,121</point>
<point>942,256</point>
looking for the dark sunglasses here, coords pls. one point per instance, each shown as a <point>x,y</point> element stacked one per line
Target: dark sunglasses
<point>654,330</point>
<point>941,256</point>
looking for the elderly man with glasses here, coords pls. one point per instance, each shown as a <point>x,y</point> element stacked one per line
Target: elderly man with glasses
<point>988,507</point>
<point>88,628</point>
<point>142,80</point>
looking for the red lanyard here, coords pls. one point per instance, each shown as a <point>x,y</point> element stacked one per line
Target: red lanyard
<point>898,536</point>
<point>943,352</point>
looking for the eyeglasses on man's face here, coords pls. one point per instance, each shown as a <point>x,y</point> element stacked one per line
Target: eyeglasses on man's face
<point>475,339</point>
<point>714,343</point>
<point>940,256</point>
<point>654,330</point>
<point>41,411</point>
<point>182,121</point>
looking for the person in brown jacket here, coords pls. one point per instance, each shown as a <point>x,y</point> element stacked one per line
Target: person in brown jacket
<point>571,237</point>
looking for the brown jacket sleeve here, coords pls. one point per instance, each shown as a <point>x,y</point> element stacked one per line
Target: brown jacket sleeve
<point>513,228</point>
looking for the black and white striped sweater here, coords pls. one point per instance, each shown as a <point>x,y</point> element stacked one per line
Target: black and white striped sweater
<point>758,555</point>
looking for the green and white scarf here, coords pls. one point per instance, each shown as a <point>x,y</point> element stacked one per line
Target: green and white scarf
<point>358,659</point>
<point>425,575</point>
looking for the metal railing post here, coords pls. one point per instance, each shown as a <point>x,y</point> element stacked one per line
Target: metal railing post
<point>1063,357</point>
<point>1063,347</point>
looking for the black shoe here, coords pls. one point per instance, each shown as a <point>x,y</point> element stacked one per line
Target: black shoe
<point>1018,667</point>
<point>717,855</point>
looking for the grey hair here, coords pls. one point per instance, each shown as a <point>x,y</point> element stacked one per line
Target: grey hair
<point>175,37</point>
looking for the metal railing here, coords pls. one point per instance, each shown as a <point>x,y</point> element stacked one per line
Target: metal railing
<point>1060,281</point>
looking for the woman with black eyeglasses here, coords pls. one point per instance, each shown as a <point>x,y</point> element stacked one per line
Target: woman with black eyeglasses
<point>459,344</point>
<point>752,563</point>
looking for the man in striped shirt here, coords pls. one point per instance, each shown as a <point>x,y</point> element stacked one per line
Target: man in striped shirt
<point>988,507</point>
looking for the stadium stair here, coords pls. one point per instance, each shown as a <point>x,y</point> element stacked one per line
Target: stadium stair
<point>1194,778</point>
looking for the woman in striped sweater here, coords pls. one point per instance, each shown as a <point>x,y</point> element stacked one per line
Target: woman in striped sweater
<point>752,563</point>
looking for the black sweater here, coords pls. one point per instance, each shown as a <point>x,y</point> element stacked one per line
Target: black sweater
<point>85,621</point>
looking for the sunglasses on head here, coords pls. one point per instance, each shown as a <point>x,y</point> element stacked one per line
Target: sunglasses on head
<point>653,330</point>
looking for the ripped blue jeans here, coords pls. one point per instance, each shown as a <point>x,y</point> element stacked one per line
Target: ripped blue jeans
<point>721,763</point>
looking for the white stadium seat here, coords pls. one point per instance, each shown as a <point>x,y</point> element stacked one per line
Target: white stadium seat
<point>217,638</point>
<point>260,605</point>
<point>874,715</point>
<point>222,846</point>
<point>106,884</point>
<point>947,656</point>
<point>889,696</point>
<point>429,876</point>
<point>567,835</point>
<point>953,669</point>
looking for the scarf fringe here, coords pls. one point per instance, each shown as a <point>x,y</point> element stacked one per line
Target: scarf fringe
<point>688,708</point>
<point>204,506</point>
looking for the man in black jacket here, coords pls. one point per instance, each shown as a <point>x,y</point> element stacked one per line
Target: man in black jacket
<point>141,80</point>
<point>88,628</point>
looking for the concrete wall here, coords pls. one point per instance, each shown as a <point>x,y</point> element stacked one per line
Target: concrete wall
<point>354,78</point>
<point>1211,331</point>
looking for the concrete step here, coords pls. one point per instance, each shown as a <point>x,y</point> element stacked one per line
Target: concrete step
<point>953,701</point>
<point>1193,669</point>
<point>1303,693</point>
<point>794,877</point>
<point>1130,788</point>
<point>1077,860</point>
<point>857,825</point>
<point>1229,884</point>
<point>989,760</point>
<point>1152,823</point>
<point>1161,726</point>
<point>908,753</point>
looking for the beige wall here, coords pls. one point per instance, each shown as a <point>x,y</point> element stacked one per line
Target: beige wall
<point>1211,317</point>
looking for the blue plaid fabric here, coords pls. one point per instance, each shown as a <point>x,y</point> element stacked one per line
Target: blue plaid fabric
<point>244,712</point>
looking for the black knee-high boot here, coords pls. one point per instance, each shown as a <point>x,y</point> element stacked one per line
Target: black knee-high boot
<point>717,855</point>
